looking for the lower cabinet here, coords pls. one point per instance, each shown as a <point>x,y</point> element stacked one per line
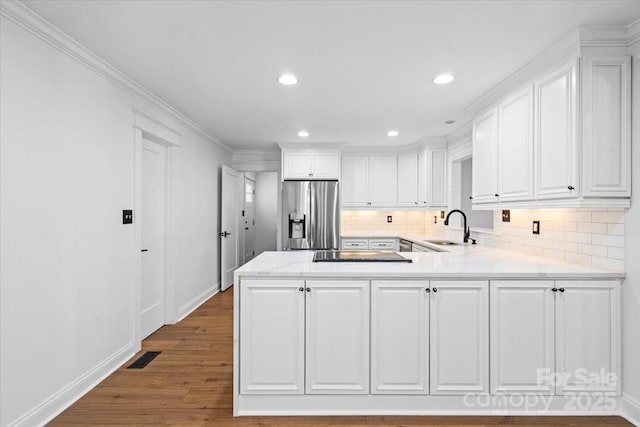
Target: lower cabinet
<point>459,337</point>
<point>278,317</point>
<point>557,337</point>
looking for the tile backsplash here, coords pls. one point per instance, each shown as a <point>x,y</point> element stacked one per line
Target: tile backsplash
<point>589,236</point>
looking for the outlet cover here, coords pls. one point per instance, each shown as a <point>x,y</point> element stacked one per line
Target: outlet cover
<point>389,218</point>
<point>127,216</point>
<point>536,227</point>
<point>442,214</point>
<point>506,215</point>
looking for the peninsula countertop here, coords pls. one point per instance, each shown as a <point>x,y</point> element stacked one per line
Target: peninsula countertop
<point>458,262</point>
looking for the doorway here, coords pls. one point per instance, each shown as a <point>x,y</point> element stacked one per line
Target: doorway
<point>231,201</point>
<point>249,217</point>
<point>153,236</point>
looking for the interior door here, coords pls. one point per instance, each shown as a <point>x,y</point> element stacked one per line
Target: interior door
<point>229,225</point>
<point>249,219</point>
<point>153,219</point>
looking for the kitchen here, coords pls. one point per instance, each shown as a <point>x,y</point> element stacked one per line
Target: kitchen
<point>84,91</point>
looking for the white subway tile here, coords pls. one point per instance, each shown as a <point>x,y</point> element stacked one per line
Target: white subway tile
<point>615,229</point>
<point>609,217</point>
<point>592,250</point>
<point>563,245</point>
<point>552,253</point>
<point>589,227</point>
<point>604,239</point>
<point>615,253</point>
<point>578,258</point>
<point>578,237</point>
<point>578,216</point>
<point>608,263</point>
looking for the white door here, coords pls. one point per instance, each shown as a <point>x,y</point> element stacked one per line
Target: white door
<point>485,155</point>
<point>229,225</point>
<point>399,337</point>
<point>587,336</point>
<point>515,147</point>
<point>408,180</point>
<point>555,134</point>
<point>522,340</point>
<point>337,337</point>
<point>383,181</point>
<point>153,227</point>
<point>272,337</point>
<point>459,337</point>
<point>249,219</point>
<point>355,181</point>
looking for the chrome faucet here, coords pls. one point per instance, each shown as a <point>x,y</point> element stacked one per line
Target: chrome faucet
<point>465,228</point>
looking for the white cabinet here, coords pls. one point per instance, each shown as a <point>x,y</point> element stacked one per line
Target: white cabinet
<point>337,337</point>
<point>369,181</point>
<point>565,329</point>
<point>432,178</point>
<point>485,155</point>
<point>399,337</point>
<point>373,244</point>
<point>587,336</point>
<point>272,336</point>
<point>310,165</point>
<point>459,337</point>
<point>355,244</point>
<point>522,336</point>
<point>606,137</point>
<point>408,180</point>
<point>556,154</point>
<point>515,147</point>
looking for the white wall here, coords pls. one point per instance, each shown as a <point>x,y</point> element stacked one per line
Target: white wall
<point>267,217</point>
<point>631,288</point>
<point>67,262</point>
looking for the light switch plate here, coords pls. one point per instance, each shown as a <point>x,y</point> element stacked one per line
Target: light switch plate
<point>536,227</point>
<point>506,215</point>
<point>389,218</point>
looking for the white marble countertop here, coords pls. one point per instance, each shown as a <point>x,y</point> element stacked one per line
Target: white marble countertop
<point>458,262</point>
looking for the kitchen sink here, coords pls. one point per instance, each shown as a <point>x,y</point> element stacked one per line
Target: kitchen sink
<point>442,242</point>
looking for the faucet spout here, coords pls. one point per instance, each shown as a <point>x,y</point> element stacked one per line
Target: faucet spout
<point>466,230</point>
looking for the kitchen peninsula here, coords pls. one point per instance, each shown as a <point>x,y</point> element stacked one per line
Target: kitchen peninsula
<point>470,330</point>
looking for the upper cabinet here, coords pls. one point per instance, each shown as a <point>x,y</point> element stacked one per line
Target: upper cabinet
<point>408,180</point>
<point>308,164</point>
<point>562,141</point>
<point>369,181</point>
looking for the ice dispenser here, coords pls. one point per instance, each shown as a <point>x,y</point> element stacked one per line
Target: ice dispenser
<point>297,226</point>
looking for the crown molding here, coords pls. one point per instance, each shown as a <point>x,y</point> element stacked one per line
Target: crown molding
<point>463,132</point>
<point>26,18</point>
<point>311,145</point>
<point>633,31</point>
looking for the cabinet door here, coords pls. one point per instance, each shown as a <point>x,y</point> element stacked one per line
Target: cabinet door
<point>437,182</point>
<point>383,178</point>
<point>355,244</point>
<point>522,347</point>
<point>606,127</point>
<point>337,337</point>
<point>399,337</point>
<point>423,179</point>
<point>408,180</point>
<point>459,337</point>
<point>555,135</point>
<point>325,166</point>
<point>515,147</point>
<point>355,181</point>
<point>296,165</point>
<point>485,146</point>
<point>272,336</point>
<point>587,336</point>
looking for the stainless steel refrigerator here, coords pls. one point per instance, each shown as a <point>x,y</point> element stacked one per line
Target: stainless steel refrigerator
<point>310,215</point>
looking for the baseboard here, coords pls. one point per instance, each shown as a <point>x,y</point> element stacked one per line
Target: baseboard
<point>630,409</point>
<point>53,406</point>
<point>196,302</point>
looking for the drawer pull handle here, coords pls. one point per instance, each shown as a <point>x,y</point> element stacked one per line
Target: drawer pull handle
<point>554,289</point>
<point>435,289</point>
<point>561,289</point>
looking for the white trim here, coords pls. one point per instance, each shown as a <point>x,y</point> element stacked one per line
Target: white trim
<point>67,396</point>
<point>194,303</point>
<point>556,203</point>
<point>155,129</point>
<point>630,409</point>
<point>22,15</point>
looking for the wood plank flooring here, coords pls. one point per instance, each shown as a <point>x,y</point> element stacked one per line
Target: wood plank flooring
<point>190,384</point>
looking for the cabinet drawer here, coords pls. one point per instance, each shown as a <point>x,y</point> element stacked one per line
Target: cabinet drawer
<point>355,244</point>
<point>389,244</point>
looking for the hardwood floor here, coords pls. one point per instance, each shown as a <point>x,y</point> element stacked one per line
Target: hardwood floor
<point>190,384</point>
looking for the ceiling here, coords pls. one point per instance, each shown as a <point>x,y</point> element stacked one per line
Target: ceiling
<point>364,67</point>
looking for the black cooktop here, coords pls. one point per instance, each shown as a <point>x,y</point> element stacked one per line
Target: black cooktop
<point>358,256</point>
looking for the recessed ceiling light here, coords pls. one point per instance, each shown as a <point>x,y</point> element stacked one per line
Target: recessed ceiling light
<point>450,122</point>
<point>393,132</point>
<point>443,79</point>
<point>303,134</point>
<point>288,79</point>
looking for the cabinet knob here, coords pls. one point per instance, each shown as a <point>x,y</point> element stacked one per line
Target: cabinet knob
<point>301,289</point>
<point>427,290</point>
<point>310,174</point>
<point>435,289</point>
<point>496,195</point>
<point>415,203</point>
<point>561,289</point>
<point>571,187</point>
<point>308,289</point>
<point>554,289</point>
<point>470,197</point>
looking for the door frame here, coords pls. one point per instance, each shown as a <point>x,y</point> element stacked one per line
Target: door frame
<point>151,129</point>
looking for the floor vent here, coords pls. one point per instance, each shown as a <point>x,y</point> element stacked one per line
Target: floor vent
<point>144,360</point>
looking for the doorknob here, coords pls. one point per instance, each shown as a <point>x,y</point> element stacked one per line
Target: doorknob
<point>224,234</point>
